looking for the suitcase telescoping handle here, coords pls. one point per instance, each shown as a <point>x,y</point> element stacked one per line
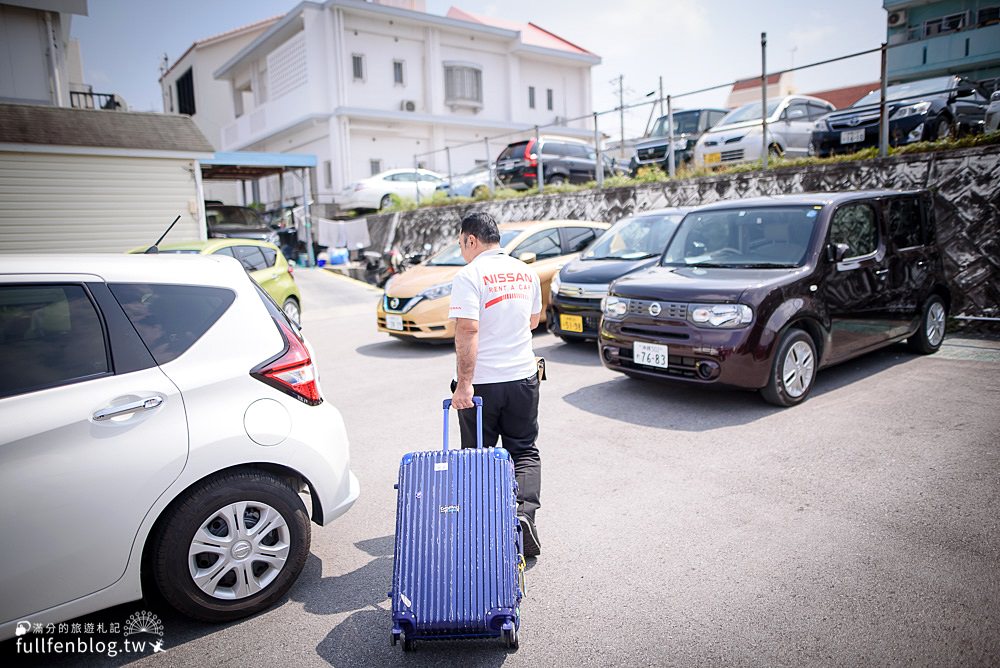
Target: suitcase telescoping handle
<point>478,401</point>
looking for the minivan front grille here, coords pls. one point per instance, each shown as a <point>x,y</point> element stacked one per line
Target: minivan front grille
<point>667,310</point>
<point>729,156</point>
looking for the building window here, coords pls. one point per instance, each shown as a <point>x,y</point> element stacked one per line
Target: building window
<point>328,173</point>
<point>463,85</point>
<point>358,64</point>
<point>989,16</point>
<point>375,164</point>
<point>185,93</point>
<point>397,73</point>
<point>531,97</point>
<point>548,99</point>
<point>945,24</point>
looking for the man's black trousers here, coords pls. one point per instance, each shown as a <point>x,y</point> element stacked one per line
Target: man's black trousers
<point>510,412</point>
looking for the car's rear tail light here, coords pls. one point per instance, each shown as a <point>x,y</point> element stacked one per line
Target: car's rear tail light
<point>290,371</point>
<point>532,158</point>
<point>291,269</point>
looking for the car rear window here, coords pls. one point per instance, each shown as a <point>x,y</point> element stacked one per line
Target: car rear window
<point>50,335</point>
<point>170,318</point>
<point>513,151</point>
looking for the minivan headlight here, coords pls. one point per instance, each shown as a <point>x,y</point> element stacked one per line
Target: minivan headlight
<point>554,285</point>
<point>614,308</point>
<point>437,291</point>
<point>723,316</point>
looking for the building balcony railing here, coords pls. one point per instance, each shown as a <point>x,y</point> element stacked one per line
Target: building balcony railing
<point>81,100</point>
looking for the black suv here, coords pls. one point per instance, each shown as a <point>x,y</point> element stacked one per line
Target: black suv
<point>563,161</point>
<point>688,126</point>
<point>762,293</point>
<point>923,110</point>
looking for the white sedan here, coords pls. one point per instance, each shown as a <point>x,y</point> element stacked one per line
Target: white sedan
<point>376,192</point>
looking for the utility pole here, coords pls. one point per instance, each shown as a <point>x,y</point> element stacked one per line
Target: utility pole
<point>763,97</point>
<point>621,114</point>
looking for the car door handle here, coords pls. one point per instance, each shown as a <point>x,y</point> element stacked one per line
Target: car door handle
<point>125,409</point>
<point>881,272</point>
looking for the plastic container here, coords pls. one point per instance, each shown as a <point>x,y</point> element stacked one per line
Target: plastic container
<point>338,255</point>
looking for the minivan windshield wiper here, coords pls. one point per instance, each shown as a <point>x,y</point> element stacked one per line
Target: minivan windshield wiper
<point>769,265</point>
<point>624,256</point>
<point>703,265</point>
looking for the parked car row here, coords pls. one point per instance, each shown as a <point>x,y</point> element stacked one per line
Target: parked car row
<point>797,125</point>
<point>757,294</point>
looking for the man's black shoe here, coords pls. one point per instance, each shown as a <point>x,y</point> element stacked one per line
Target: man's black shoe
<point>529,537</point>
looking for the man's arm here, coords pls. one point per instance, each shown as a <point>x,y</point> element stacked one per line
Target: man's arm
<point>466,349</point>
<point>535,317</point>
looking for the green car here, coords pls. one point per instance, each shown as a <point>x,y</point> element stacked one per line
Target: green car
<point>262,260</point>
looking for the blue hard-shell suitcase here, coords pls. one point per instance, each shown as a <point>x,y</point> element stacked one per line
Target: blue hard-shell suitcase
<point>457,569</point>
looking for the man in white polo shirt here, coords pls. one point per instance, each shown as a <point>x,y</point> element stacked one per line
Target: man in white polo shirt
<point>496,301</point>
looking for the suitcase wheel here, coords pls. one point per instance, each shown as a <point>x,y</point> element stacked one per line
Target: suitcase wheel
<point>509,635</point>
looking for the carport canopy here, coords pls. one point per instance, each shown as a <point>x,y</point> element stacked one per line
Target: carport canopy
<point>246,165</point>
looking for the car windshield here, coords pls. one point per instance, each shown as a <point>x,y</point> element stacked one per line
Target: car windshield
<point>634,238</point>
<point>748,112</point>
<point>685,122</point>
<point>180,251</point>
<point>233,217</point>
<point>451,255</point>
<point>911,90</point>
<point>755,237</point>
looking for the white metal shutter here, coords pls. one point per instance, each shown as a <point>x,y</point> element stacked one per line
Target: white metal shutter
<point>53,203</point>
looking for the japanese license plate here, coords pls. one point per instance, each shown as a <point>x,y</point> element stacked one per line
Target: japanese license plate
<point>650,354</point>
<point>394,322</point>
<point>713,158</point>
<point>852,136</point>
<point>571,323</point>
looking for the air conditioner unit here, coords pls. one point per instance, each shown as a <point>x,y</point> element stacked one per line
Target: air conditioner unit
<point>897,18</point>
<point>407,105</point>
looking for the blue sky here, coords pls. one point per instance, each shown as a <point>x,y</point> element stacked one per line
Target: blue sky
<point>692,44</point>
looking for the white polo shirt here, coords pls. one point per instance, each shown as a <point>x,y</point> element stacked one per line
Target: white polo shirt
<point>502,293</point>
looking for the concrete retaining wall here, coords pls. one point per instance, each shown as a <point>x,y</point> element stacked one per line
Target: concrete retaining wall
<point>966,184</point>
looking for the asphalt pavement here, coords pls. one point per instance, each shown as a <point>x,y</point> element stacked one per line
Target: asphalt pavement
<point>679,526</point>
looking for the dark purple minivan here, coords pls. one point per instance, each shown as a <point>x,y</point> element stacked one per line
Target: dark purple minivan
<point>761,293</point>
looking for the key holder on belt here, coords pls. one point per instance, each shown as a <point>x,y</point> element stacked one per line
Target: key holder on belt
<point>478,401</point>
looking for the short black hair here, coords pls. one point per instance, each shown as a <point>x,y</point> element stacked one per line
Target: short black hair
<point>481,225</point>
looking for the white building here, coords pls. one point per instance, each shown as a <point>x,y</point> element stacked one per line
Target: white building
<point>745,91</point>
<point>188,85</point>
<point>366,86</point>
<point>38,60</point>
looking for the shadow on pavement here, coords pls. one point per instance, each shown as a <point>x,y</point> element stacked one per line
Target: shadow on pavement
<point>696,408</point>
<point>363,640</point>
<point>581,354</point>
<point>396,349</point>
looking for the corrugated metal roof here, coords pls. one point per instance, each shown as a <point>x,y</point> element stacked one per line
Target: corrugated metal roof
<point>61,126</point>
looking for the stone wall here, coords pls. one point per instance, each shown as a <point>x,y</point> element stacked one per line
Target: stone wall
<point>965,182</point>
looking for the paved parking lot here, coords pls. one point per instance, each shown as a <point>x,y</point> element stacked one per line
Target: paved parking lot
<point>679,527</point>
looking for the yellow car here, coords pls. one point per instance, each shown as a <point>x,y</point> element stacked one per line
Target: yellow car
<point>415,303</point>
<point>262,260</point>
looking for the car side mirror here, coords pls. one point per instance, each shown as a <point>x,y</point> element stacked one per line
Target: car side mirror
<point>527,258</point>
<point>964,90</point>
<point>837,252</point>
<point>795,114</point>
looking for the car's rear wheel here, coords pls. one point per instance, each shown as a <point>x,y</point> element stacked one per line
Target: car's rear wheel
<point>556,180</point>
<point>292,310</point>
<point>386,202</point>
<point>231,547</point>
<point>930,334</point>
<point>480,192</point>
<point>793,370</point>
